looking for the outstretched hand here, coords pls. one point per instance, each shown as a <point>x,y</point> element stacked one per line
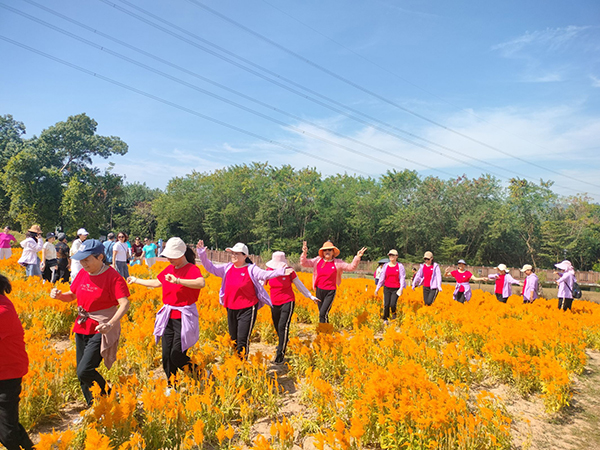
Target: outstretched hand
<point>200,245</point>
<point>304,247</point>
<point>289,271</point>
<point>361,252</point>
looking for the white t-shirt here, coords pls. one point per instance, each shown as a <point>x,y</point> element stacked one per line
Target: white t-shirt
<point>122,252</point>
<point>49,250</point>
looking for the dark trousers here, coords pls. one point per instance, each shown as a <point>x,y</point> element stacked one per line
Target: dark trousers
<point>390,300</point>
<point>429,295</point>
<point>172,357</point>
<point>326,296</point>
<point>12,434</point>
<point>240,323</point>
<point>63,270</point>
<point>49,274</point>
<point>501,299</point>
<point>460,297</point>
<point>565,303</point>
<point>282,317</point>
<point>88,359</point>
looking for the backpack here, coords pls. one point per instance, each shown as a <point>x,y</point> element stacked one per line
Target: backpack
<point>109,252</point>
<point>576,290</point>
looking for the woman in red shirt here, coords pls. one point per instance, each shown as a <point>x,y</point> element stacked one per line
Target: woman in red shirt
<point>393,280</point>
<point>177,321</point>
<point>462,291</point>
<point>14,364</point>
<point>102,301</point>
<point>284,301</point>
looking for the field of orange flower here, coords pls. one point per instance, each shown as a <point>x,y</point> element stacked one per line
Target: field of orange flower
<point>416,383</point>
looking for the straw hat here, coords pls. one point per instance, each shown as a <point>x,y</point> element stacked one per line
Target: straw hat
<point>35,229</point>
<point>329,246</point>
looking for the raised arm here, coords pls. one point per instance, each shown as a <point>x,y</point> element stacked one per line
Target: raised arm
<point>218,271</point>
<point>264,275</point>
<point>304,261</point>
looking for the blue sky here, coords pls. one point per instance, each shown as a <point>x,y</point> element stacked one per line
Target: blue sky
<point>508,88</point>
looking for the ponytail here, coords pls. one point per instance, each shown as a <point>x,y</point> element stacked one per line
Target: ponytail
<point>190,255</point>
<point>248,260</point>
<point>5,286</point>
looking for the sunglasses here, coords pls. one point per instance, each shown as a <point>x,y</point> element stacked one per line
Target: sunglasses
<point>121,237</point>
<point>427,259</point>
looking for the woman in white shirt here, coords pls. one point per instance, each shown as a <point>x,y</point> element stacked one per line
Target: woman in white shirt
<point>49,264</point>
<point>32,244</point>
<point>121,255</point>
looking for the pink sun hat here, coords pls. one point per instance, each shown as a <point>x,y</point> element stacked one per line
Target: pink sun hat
<point>277,261</point>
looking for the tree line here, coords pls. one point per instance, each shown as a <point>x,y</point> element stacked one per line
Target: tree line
<point>51,180</point>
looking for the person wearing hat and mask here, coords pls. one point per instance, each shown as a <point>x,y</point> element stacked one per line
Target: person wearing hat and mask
<point>177,321</point>
<point>462,291</point>
<point>284,301</point>
<point>327,274</point>
<point>49,264</point>
<point>530,285</point>
<point>5,239</point>
<point>393,280</point>
<point>241,291</point>
<point>102,301</point>
<point>82,235</point>
<point>503,282</point>
<point>62,257</point>
<point>32,244</point>
<point>565,281</point>
<point>430,276</point>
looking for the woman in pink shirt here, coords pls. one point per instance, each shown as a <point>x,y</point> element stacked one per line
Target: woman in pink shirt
<point>241,291</point>
<point>566,281</point>
<point>327,274</point>
<point>430,276</point>
<point>462,291</point>
<point>5,239</point>
<point>393,280</point>
<point>503,283</point>
<point>284,301</point>
<point>530,285</point>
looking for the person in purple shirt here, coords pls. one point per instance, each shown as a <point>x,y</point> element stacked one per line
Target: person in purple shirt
<point>5,239</point>
<point>530,285</point>
<point>565,283</point>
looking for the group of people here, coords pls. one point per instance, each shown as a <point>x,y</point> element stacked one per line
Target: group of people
<point>102,294</point>
<point>391,276</point>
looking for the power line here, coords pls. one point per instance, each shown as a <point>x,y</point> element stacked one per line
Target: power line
<point>175,105</point>
<point>366,90</point>
<point>259,102</point>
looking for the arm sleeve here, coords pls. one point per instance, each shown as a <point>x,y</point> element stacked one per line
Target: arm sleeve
<point>218,271</point>
<point>344,266</point>
<point>304,262</point>
<point>264,275</point>
<point>418,279</point>
<point>121,288</point>
<point>301,288</point>
<point>381,279</point>
<point>402,276</point>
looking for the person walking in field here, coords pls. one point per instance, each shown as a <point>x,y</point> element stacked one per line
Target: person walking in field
<point>566,282</point>
<point>49,265</point>
<point>121,255</point>
<point>5,239</point>
<point>503,282</point>
<point>82,235</point>
<point>284,301</point>
<point>102,300</point>
<point>430,276</point>
<point>327,274</point>
<point>462,291</point>
<point>14,365</point>
<point>241,291</point>
<point>149,252</point>
<point>177,321</point>
<point>32,244</point>
<point>530,285</point>
<point>393,280</point>
<point>62,256</point>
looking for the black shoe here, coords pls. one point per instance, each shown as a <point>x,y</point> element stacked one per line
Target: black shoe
<point>279,359</point>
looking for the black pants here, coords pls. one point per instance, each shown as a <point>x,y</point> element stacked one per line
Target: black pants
<point>49,274</point>
<point>12,434</point>
<point>429,295</point>
<point>326,296</point>
<point>172,357</point>
<point>63,272</point>
<point>460,297</point>
<point>240,323</point>
<point>88,360</point>
<point>565,303</point>
<point>501,299</point>
<point>282,317</point>
<point>390,300</point>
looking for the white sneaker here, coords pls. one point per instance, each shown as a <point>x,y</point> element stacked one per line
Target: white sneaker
<point>168,391</point>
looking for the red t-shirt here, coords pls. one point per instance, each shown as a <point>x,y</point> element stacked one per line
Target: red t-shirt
<point>499,284</point>
<point>281,288</point>
<point>137,249</point>
<point>461,278</point>
<point>392,277</point>
<point>176,294</point>
<point>326,275</point>
<point>14,362</point>
<point>97,293</point>
<point>239,289</point>
<point>427,274</point>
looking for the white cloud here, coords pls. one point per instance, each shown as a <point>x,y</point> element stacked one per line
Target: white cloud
<point>549,39</point>
<point>595,81</point>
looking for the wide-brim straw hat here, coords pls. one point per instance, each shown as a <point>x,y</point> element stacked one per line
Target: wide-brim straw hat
<point>35,229</point>
<point>329,246</point>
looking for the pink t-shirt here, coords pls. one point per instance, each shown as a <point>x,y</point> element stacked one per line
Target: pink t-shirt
<point>281,289</point>
<point>461,278</point>
<point>176,294</point>
<point>499,284</point>
<point>239,289</point>
<point>392,277</point>
<point>326,275</point>
<point>427,274</point>
<point>5,239</point>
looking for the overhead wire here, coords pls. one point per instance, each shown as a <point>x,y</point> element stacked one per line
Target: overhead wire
<point>177,106</point>
<point>369,91</point>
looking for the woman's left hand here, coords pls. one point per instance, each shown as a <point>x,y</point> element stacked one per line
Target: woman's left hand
<point>361,252</point>
<point>171,278</point>
<point>289,271</point>
<point>104,328</point>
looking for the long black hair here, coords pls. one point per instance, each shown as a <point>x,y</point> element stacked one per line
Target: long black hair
<point>32,234</point>
<point>5,286</point>
<point>190,255</point>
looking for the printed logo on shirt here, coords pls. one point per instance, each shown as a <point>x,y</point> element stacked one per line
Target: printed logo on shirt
<point>243,274</point>
<point>88,288</point>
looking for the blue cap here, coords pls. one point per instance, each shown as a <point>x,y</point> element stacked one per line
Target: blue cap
<point>89,247</point>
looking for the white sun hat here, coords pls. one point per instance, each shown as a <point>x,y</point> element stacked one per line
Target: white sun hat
<point>174,248</point>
